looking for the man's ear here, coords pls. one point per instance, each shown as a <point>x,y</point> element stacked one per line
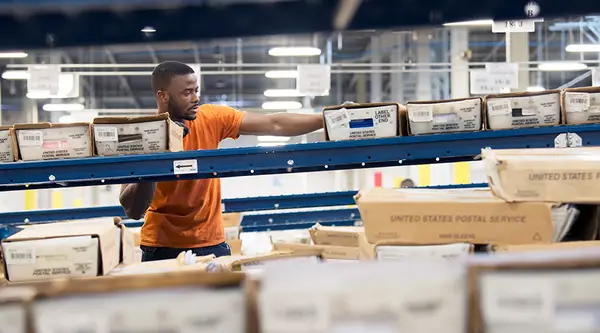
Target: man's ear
<point>162,96</point>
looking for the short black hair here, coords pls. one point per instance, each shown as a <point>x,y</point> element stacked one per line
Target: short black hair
<point>164,72</point>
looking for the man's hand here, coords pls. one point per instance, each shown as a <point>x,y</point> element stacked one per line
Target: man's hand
<point>136,198</point>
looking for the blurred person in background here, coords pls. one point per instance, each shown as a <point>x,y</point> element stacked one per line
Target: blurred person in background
<point>406,183</point>
<point>186,215</point>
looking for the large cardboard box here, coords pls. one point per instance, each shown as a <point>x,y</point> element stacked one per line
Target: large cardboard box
<point>62,249</point>
<point>402,251</point>
<point>552,175</point>
<point>8,144</point>
<point>137,135</point>
<point>523,109</point>
<point>46,141</point>
<point>452,115</point>
<point>354,121</point>
<point>535,292</point>
<point>443,217</point>
<point>581,105</point>
<point>171,302</point>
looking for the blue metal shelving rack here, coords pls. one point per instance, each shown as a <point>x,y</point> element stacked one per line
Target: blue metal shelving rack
<point>234,162</point>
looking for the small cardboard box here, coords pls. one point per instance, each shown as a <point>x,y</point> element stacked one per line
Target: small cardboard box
<point>62,249</point>
<point>8,144</point>
<point>353,121</point>
<point>524,109</point>
<point>325,251</point>
<point>236,246</point>
<point>137,135</point>
<point>399,251</point>
<point>552,175</point>
<point>444,217</point>
<point>46,141</point>
<point>581,105</point>
<point>231,224</point>
<point>336,236</point>
<point>452,115</point>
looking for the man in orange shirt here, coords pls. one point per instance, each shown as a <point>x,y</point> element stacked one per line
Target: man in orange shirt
<point>186,215</point>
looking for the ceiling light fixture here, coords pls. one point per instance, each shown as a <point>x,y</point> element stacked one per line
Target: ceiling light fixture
<point>282,93</point>
<point>148,29</point>
<point>294,51</point>
<point>63,107</point>
<point>473,23</point>
<point>562,66</point>
<point>15,75</point>
<point>583,48</point>
<point>282,105</point>
<point>12,55</point>
<point>281,74</point>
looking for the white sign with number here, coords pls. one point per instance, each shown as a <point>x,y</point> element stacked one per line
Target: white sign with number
<point>44,79</point>
<point>314,80</point>
<point>480,83</point>
<point>503,74</point>
<point>514,26</point>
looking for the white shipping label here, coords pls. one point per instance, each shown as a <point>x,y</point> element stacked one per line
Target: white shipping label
<point>577,102</point>
<point>31,138</point>
<point>499,107</point>
<point>420,113</point>
<point>297,313</point>
<point>21,256</point>
<point>185,167</point>
<point>510,298</point>
<point>337,118</point>
<point>106,134</point>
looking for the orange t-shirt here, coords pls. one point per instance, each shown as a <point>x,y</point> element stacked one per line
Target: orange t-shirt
<point>187,213</point>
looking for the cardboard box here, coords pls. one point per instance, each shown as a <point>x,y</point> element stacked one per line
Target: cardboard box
<point>523,109</point>
<point>8,144</point>
<point>46,141</point>
<point>353,121</point>
<point>551,175</point>
<point>62,249</point>
<point>244,262</point>
<point>445,217</point>
<point>502,248</point>
<point>170,303</point>
<point>232,219</point>
<point>236,246</point>
<point>534,291</point>
<point>337,236</point>
<point>325,251</point>
<point>451,115</point>
<point>392,251</point>
<point>162,266</point>
<point>14,309</point>
<point>371,297</point>
<point>581,105</point>
<point>137,135</point>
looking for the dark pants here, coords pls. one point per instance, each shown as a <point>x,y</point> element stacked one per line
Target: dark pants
<point>161,253</point>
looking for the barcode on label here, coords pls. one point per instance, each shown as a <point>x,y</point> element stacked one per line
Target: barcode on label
<point>498,108</point>
<point>578,101</point>
<point>337,118</point>
<point>20,256</point>
<point>31,138</point>
<point>420,113</point>
<point>104,134</point>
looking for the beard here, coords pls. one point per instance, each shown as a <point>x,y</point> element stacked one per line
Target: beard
<point>178,113</point>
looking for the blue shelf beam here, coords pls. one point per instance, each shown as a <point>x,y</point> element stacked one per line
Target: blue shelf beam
<point>302,217</point>
<point>322,156</point>
<point>289,201</point>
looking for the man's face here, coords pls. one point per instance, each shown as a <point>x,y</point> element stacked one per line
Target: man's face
<point>182,97</point>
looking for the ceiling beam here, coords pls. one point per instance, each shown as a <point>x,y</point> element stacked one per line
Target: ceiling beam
<point>123,80</point>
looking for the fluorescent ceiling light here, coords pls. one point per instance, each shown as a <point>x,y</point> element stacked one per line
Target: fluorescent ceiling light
<point>282,93</point>
<point>63,107</point>
<point>535,89</point>
<point>281,74</point>
<point>282,105</point>
<point>562,66</point>
<point>301,51</point>
<point>273,138</point>
<point>12,55</point>
<point>473,23</point>
<point>583,48</point>
<point>148,29</point>
<point>15,75</point>
<point>271,144</point>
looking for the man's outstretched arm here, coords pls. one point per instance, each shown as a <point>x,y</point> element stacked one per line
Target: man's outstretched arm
<point>280,124</point>
<point>136,198</point>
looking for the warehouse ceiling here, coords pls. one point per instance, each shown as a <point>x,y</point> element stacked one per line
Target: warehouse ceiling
<point>233,69</point>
